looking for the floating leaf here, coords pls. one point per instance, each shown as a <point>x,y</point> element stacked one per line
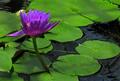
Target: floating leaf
<point>11,44</point>
<point>64,33</point>
<point>9,22</point>
<point>52,7</point>
<point>77,20</point>
<point>46,49</point>
<point>6,63</point>
<point>8,39</point>
<point>30,64</point>
<point>98,10</point>
<point>115,1</point>
<point>5,57</point>
<point>53,76</point>
<point>14,77</point>
<point>64,13</point>
<point>43,44</point>
<point>76,65</point>
<point>98,49</point>
<point>92,10</point>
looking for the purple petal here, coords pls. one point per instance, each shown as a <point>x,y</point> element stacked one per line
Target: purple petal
<point>51,25</point>
<point>38,16</point>
<point>18,33</point>
<point>24,18</point>
<point>45,17</point>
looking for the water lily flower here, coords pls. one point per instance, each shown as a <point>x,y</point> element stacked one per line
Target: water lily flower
<point>34,23</point>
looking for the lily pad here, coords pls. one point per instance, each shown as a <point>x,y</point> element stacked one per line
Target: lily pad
<point>8,39</point>
<point>30,64</point>
<point>76,65</point>
<point>53,76</point>
<point>97,10</point>
<point>9,22</point>
<point>44,45</point>
<point>98,49</point>
<point>64,33</point>
<point>76,20</point>
<point>64,13</point>
<point>115,1</point>
<point>6,58</point>
<point>14,77</point>
<point>92,10</point>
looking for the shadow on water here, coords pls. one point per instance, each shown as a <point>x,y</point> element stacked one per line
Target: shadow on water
<point>110,31</point>
<point>14,5</point>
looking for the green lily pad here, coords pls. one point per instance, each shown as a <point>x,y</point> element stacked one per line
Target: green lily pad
<point>14,77</point>
<point>64,13</point>
<point>6,58</point>
<point>64,33</point>
<point>98,10</point>
<point>98,49</point>
<point>53,76</point>
<point>9,22</point>
<point>76,65</point>
<point>8,51</point>
<point>77,20</point>
<point>52,7</point>
<point>6,63</point>
<point>46,49</point>
<point>8,39</point>
<point>30,64</point>
<point>44,45</point>
<point>11,44</point>
<point>115,1</point>
<point>91,10</point>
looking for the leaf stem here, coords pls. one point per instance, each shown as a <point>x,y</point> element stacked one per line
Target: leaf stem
<point>40,57</point>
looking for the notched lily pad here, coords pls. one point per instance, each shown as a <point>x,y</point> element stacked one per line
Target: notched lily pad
<point>14,77</point>
<point>90,10</point>
<point>64,33</point>
<point>76,20</point>
<point>6,58</point>
<point>115,1</point>
<point>76,65</point>
<point>30,64</point>
<point>9,22</point>
<point>8,39</point>
<point>43,44</point>
<point>98,49</point>
<point>53,76</point>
